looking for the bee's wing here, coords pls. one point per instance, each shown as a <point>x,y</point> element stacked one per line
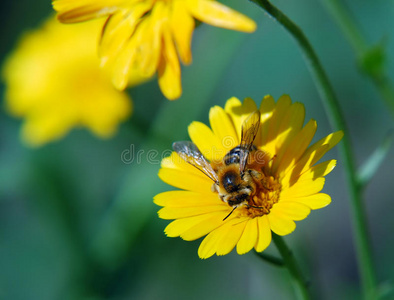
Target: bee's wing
<point>190,153</point>
<point>250,127</point>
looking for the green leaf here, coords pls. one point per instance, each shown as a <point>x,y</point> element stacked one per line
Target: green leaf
<point>373,61</point>
<point>370,167</point>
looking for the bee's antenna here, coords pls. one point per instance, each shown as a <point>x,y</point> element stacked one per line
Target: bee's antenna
<point>230,213</point>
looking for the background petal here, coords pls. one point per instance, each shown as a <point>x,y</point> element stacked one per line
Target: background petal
<point>216,14</point>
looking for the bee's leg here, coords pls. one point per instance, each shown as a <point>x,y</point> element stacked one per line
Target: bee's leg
<point>214,188</point>
<point>255,174</point>
<point>253,206</point>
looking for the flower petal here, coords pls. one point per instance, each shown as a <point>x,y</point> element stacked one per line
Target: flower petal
<point>169,70</point>
<point>303,188</point>
<point>315,201</point>
<point>280,223</point>
<point>194,227</point>
<point>182,26</point>
<point>290,126</point>
<point>118,29</point>
<point>267,107</point>
<point>185,199</point>
<point>302,165</point>
<point>317,150</point>
<point>74,11</point>
<point>230,238</point>
<point>296,148</point>
<point>205,226</point>
<point>223,128</point>
<point>265,236</point>
<point>206,141</point>
<point>316,171</point>
<point>239,112</point>
<point>216,14</point>
<point>169,213</point>
<point>280,110</point>
<point>186,180</point>
<point>209,244</point>
<point>249,237</point>
<point>292,210</point>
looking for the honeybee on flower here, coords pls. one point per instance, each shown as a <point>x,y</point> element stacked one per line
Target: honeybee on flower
<point>250,197</point>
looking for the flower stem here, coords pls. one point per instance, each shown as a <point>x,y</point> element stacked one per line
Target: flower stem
<point>291,264</point>
<point>337,122</point>
<point>273,260</point>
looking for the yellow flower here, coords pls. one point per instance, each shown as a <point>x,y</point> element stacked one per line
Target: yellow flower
<point>282,170</point>
<point>54,82</point>
<point>141,37</point>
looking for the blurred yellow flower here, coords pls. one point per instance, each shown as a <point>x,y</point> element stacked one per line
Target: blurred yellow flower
<point>280,182</point>
<point>54,82</point>
<point>141,37</point>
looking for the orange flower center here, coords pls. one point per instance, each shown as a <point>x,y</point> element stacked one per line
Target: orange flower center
<point>266,194</point>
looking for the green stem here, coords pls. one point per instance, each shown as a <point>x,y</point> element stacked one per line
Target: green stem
<point>349,27</point>
<point>293,267</point>
<point>337,122</point>
<point>273,260</point>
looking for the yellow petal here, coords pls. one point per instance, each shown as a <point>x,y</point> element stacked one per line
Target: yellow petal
<point>169,70</point>
<point>174,161</point>
<point>73,12</point>
<point>281,107</point>
<point>297,147</point>
<point>39,130</point>
<point>186,180</point>
<point>304,188</point>
<point>118,30</point>
<point>303,165</point>
<point>316,171</point>
<point>205,226</point>
<point>249,237</point>
<point>325,143</point>
<point>223,128</point>
<point>209,244</point>
<point>280,224</point>
<point>315,201</point>
<point>216,14</point>
<point>290,126</point>
<point>180,226</point>
<point>186,199</point>
<point>331,140</point>
<point>169,213</point>
<point>124,63</point>
<point>177,227</point>
<point>182,26</point>
<point>230,238</point>
<point>207,142</point>
<point>239,112</point>
<point>267,107</point>
<point>264,238</point>
<point>292,210</point>
<point>149,41</point>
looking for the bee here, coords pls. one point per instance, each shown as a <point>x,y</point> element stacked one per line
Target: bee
<point>237,177</point>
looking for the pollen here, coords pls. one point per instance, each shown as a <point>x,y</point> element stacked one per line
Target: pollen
<point>266,195</point>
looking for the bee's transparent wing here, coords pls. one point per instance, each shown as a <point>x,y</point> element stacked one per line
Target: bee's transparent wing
<point>190,153</point>
<point>250,127</point>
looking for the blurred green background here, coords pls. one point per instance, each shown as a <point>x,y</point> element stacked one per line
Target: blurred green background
<point>78,222</point>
